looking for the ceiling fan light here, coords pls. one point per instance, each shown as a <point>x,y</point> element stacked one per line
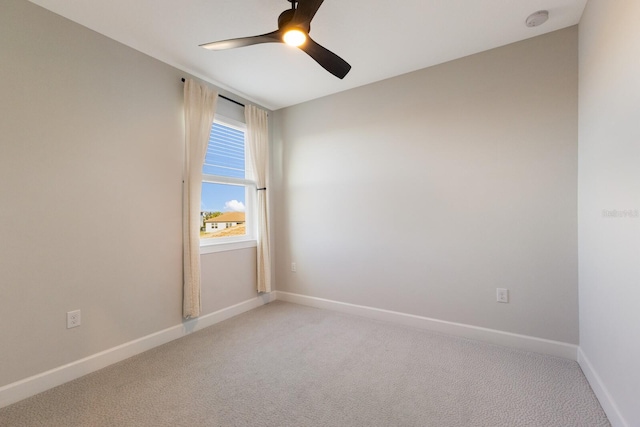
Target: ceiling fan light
<point>295,37</point>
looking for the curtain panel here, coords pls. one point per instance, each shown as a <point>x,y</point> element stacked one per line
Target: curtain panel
<point>258,145</point>
<point>199,110</point>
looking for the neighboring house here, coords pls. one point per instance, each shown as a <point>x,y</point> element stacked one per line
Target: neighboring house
<point>226,220</point>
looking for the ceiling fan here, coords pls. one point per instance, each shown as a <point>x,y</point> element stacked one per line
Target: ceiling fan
<point>293,29</point>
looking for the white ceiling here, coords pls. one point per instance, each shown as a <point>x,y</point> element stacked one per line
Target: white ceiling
<point>379,38</point>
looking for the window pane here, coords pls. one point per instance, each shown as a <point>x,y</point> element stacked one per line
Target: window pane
<point>225,153</point>
<point>222,210</point>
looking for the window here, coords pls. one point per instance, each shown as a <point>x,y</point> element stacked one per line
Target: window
<point>228,188</point>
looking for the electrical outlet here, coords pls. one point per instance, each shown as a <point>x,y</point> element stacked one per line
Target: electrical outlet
<point>73,319</point>
<point>294,267</point>
<point>502,295</point>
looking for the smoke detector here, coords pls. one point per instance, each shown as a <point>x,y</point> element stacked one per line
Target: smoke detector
<point>537,18</point>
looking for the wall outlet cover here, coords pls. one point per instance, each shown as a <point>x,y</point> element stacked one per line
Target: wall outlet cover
<point>502,295</point>
<point>73,319</point>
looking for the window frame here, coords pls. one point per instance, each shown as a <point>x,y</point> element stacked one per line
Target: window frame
<point>219,244</point>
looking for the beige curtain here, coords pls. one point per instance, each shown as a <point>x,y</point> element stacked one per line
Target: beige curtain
<point>258,145</point>
<point>199,109</point>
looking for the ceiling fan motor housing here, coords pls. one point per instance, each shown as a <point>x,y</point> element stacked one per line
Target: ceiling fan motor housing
<point>286,17</point>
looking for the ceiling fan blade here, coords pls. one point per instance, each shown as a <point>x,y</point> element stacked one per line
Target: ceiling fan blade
<point>305,11</point>
<point>327,59</point>
<point>274,37</point>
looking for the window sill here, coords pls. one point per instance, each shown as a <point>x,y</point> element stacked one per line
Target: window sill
<point>209,248</point>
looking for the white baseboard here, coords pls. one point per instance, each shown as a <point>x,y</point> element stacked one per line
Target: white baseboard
<point>507,339</point>
<point>606,401</point>
<point>28,387</point>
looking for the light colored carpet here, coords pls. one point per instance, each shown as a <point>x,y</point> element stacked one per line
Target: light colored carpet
<point>289,365</point>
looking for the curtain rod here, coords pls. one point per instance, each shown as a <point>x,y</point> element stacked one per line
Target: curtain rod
<point>224,97</point>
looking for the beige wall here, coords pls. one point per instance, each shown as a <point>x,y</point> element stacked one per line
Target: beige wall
<point>424,193</point>
<point>90,196</point>
<point>609,179</point>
